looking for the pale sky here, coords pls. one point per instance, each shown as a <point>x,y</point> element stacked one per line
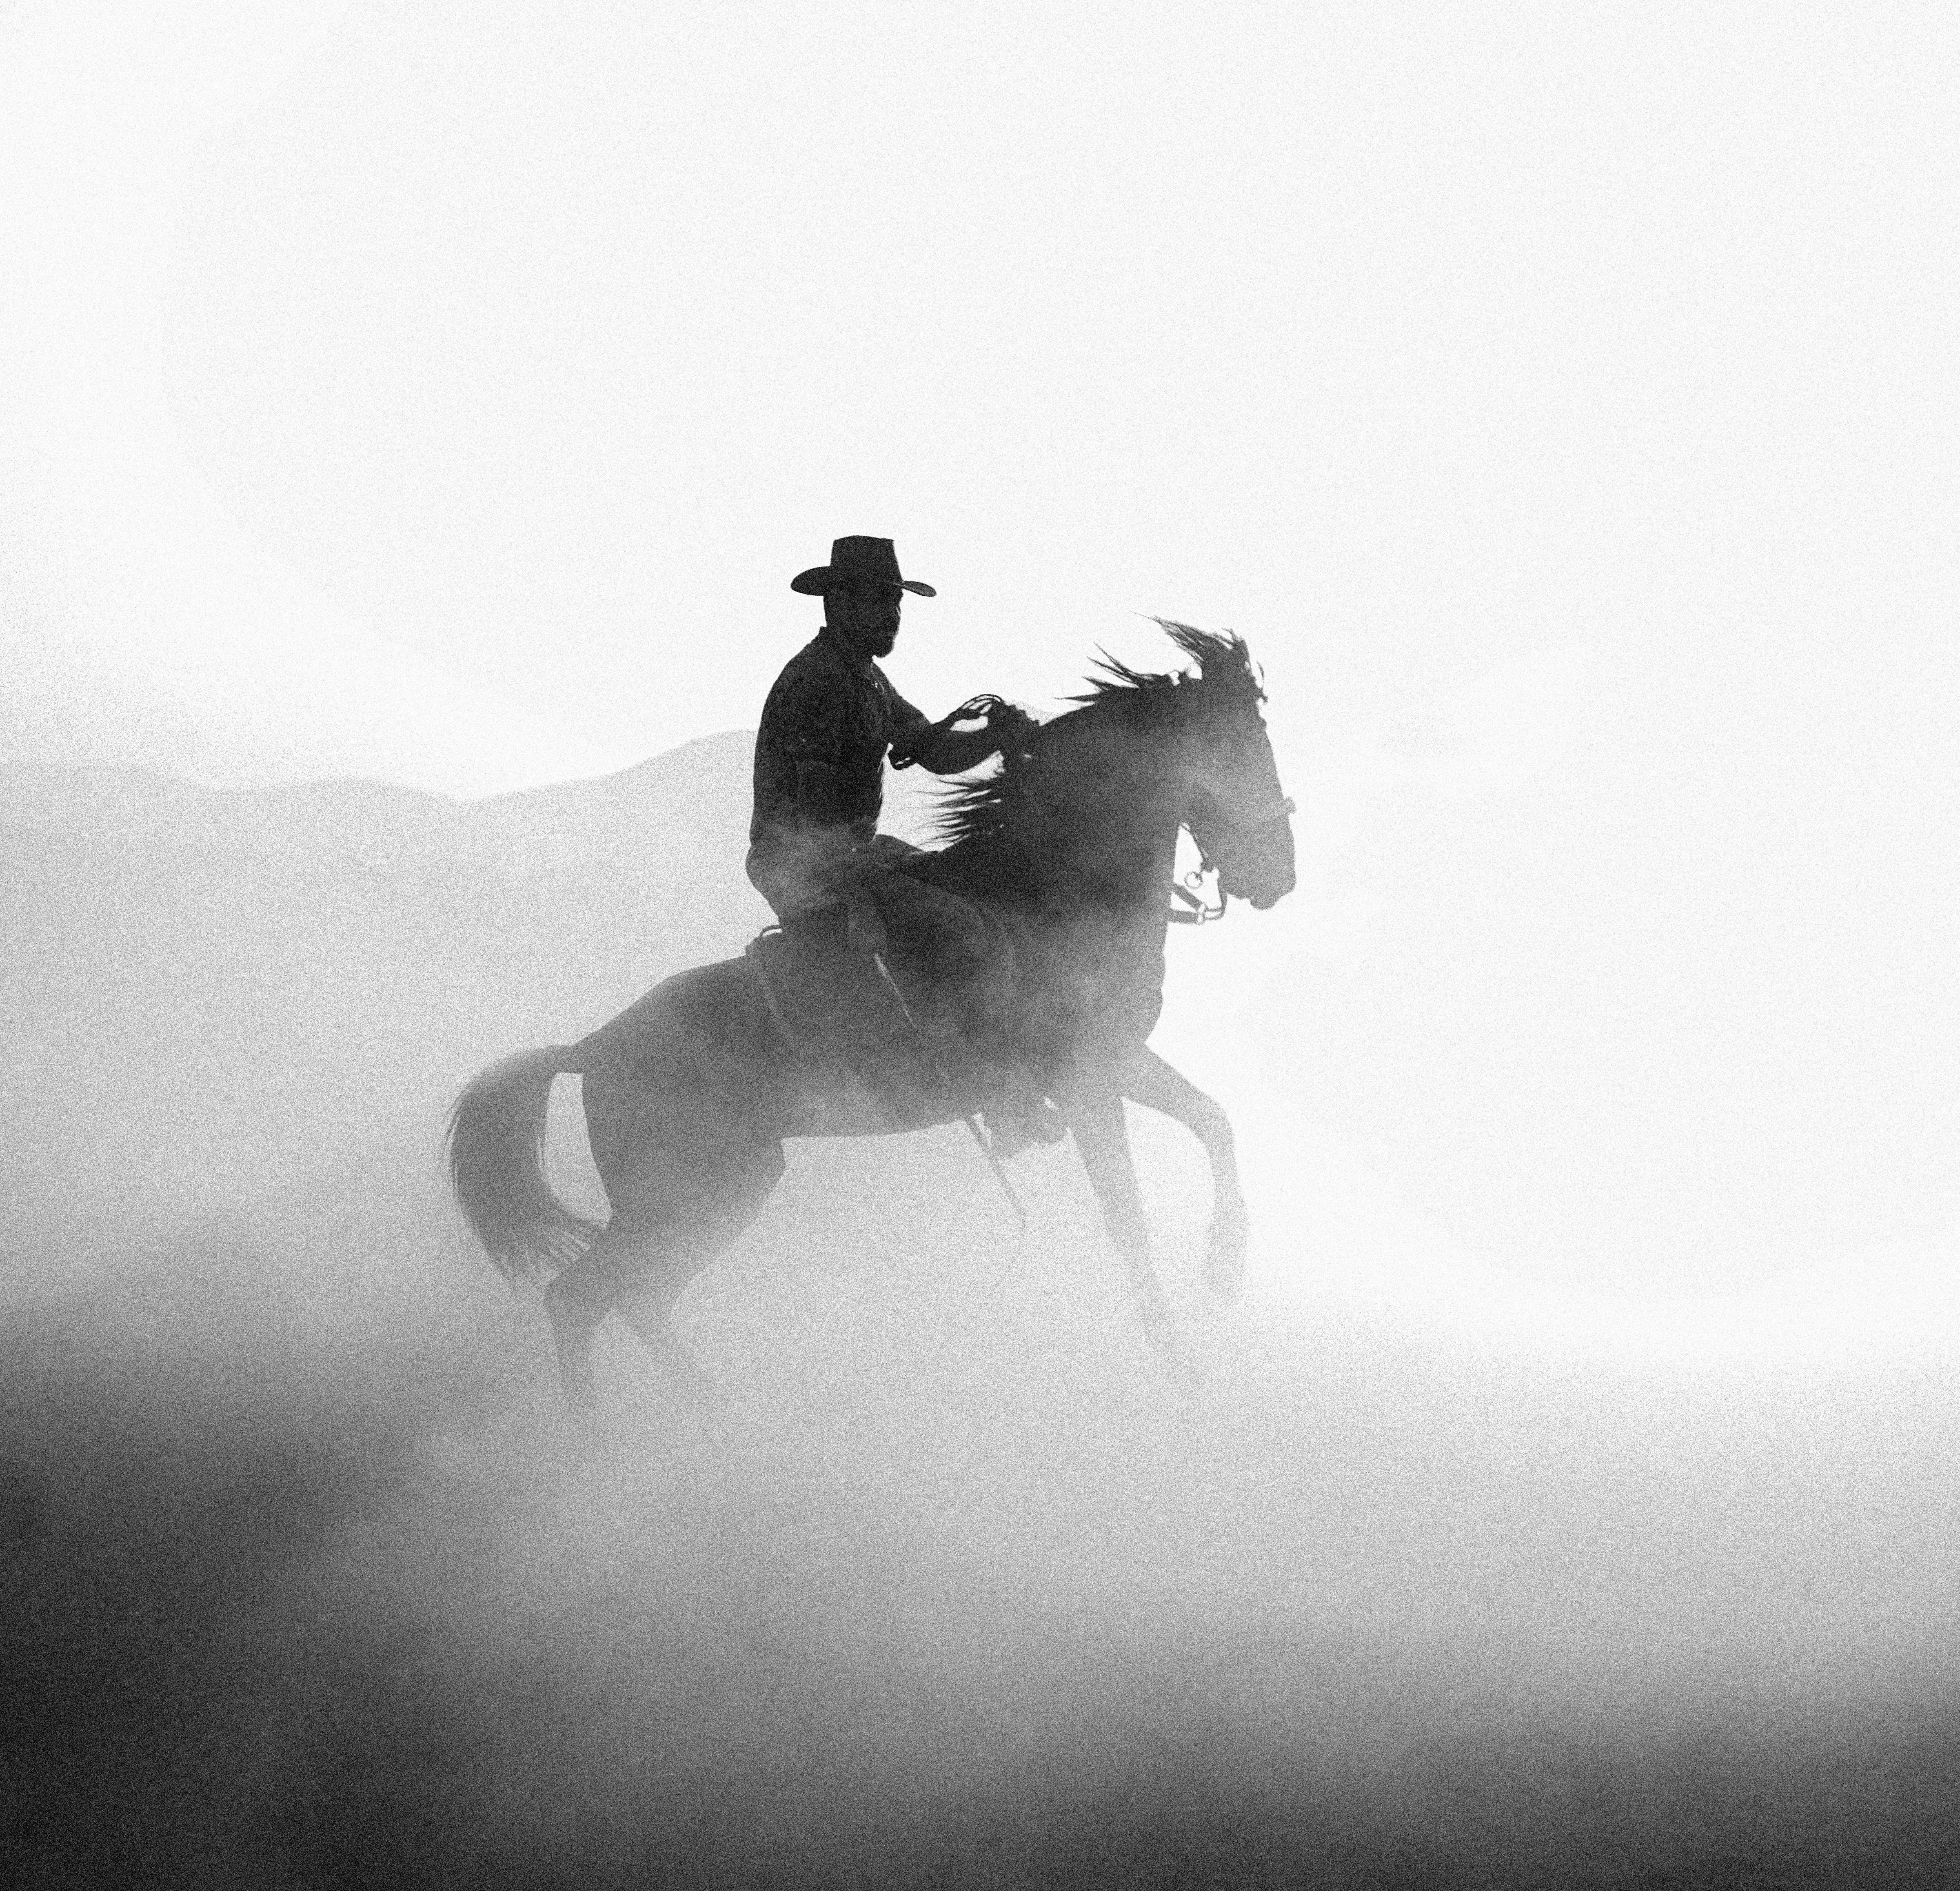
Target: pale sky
<point>449,392</point>
<point>1562,400</point>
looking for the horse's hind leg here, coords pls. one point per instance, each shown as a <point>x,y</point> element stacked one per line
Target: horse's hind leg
<point>681,1248</point>
<point>577,1302</point>
<point>640,1265</point>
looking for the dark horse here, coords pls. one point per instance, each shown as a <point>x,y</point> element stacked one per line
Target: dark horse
<point>690,1092</point>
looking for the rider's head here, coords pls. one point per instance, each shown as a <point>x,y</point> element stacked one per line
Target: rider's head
<point>861,590</point>
<point>863,615</point>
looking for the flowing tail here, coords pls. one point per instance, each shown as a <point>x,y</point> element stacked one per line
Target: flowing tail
<point>495,1145</point>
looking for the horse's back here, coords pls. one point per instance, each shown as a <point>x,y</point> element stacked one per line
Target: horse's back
<point>714,1016</point>
<point>684,1085</point>
<point>706,1054</point>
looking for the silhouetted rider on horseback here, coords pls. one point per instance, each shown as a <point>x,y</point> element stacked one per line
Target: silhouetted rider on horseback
<point>815,853</point>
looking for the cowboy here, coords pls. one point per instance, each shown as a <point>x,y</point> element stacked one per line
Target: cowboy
<point>815,852</point>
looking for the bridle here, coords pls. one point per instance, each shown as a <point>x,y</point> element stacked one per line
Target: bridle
<point>1197,908</point>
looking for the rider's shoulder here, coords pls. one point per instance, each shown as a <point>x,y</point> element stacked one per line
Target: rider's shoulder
<point>822,657</point>
<point>812,666</point>
<point>814,655</point>
<point>812,693</point>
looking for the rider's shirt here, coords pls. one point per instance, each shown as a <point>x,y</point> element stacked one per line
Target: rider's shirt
<point>832,706</point>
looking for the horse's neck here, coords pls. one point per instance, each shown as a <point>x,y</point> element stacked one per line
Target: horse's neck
<point>1090,834</point>
<point>1107,834</point>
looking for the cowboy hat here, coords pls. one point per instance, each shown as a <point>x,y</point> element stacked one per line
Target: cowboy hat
<point>857,561</point>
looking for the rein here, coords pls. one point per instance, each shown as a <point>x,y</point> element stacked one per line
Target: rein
<point>978,708</point>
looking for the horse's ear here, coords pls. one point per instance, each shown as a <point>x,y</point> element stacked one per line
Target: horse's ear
<point>1233,657</point>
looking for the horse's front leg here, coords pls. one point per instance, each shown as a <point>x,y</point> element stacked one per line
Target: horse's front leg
<point>1148,1080</point>
<point>1102,1140</point>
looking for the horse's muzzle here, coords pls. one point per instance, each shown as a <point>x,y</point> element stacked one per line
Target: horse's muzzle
<point>1260,871</point>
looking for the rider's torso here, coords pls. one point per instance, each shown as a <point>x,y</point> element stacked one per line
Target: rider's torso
<point>827,705</point>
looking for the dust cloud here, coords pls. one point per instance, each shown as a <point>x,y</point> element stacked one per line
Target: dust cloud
<point>311,1580</point>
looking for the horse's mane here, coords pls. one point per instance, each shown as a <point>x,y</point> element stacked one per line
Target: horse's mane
<point>978,810</point>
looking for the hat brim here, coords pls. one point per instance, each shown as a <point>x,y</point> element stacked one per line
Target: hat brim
<point>817,580</point>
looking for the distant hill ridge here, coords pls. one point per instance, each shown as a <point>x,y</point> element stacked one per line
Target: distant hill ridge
<point>697,791</point>
<point>215,986</point>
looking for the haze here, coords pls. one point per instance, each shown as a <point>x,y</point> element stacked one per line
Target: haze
<point>410,418</point>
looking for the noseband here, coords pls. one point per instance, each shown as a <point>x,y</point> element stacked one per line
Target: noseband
<point>1197,910</point>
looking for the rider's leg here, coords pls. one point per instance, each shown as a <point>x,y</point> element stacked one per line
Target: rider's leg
<point>960,970</point>
<point>951,974</point>
<point>848,1011</point>
<point>1018,1111</point>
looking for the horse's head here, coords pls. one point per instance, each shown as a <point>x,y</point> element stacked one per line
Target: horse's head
<point>1097,796</point>
<point>1237,812</point>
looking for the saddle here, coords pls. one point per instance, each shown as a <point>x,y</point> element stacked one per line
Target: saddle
<point>821,1000</point>
<point>917,1021</point>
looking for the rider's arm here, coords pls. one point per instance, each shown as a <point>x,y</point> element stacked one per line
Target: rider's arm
<point>945,750</point>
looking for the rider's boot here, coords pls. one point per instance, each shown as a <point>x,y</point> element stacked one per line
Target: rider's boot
<point>1018,1114</point>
